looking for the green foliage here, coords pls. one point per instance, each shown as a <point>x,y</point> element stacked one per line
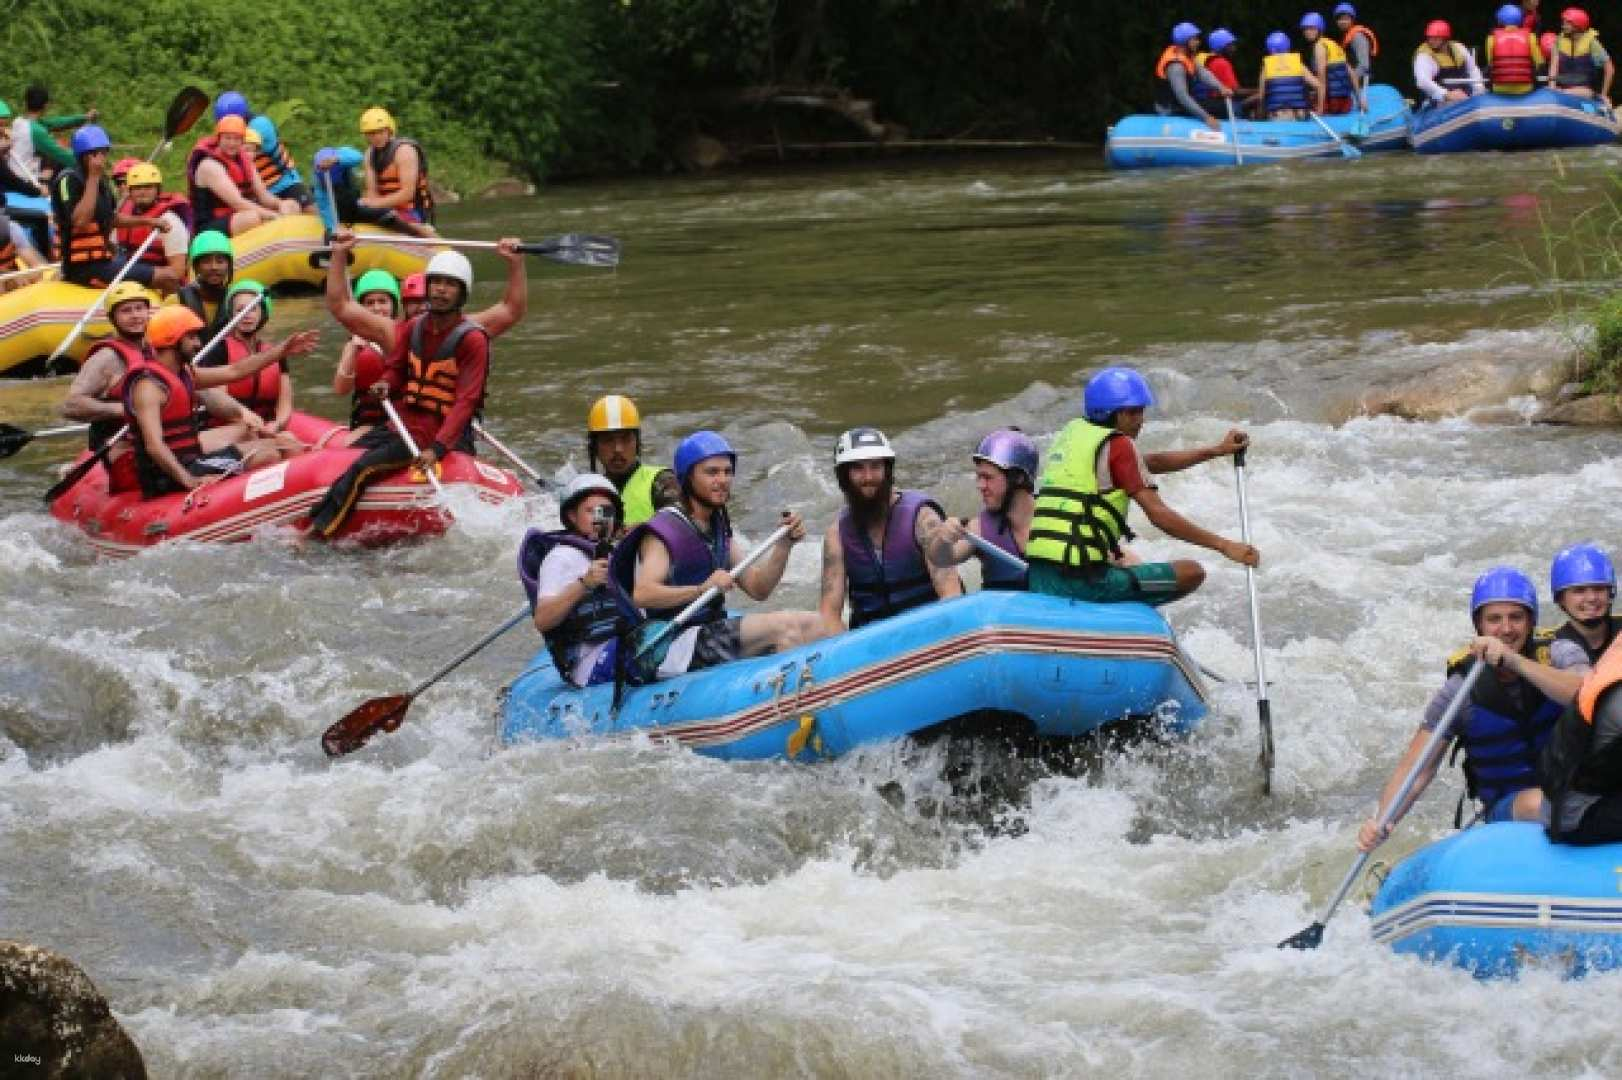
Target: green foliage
<point>1603,375</point>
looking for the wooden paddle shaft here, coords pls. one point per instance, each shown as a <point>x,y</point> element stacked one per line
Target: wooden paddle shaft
<point>411,444</point>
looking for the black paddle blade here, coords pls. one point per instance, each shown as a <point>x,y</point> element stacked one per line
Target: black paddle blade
<point>1310,938</point>
<point>577,249</point>
<point>13,439</point>
<point>184,111</point>
<point>352,732</point>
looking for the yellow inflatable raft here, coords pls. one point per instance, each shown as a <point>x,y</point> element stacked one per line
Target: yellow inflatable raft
<point>279,253</point>
<point>35,319</point>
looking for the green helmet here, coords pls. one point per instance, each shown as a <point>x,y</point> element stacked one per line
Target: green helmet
<point>211,242</point>
<point>248,285</point>
<point>378,281</point>
<point>5,111</point>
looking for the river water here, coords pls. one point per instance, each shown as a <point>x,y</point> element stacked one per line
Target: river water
<point>437,906</point>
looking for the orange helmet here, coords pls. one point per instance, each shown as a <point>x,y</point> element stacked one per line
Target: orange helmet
<point>231,125</point>
<point>170,324</point>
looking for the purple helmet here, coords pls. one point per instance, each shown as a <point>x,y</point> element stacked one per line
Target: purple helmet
<point>1011,450</point>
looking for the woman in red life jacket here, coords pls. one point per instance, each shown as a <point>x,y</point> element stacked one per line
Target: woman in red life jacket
<point>268,392</point>
<point>145,198</point>
<point>362,363</point>
<point>225,189</point>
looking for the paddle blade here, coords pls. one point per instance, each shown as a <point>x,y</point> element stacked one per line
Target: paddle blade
<point>1310,938</point>
<point>577,249</point>
<point>13,439</point>
<point>184,111</point>
<point>352,732</point>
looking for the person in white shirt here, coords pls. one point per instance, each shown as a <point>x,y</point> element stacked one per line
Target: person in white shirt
<point>565,574</point>
<point>1444,70</point>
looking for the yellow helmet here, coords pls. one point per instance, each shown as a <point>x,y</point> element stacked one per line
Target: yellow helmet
<point>613,413</point>
<point>124,292</point>
<point>141,174</point>
<point>375,119</point>
<point>253,138</point>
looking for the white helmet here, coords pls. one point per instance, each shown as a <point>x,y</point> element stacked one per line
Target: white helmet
<point>589,483</point>
<point>862,444</point>
<point>453,265</point>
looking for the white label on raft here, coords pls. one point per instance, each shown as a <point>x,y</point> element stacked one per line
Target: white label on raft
<point>266,482</point>
<point>1207,135</point>
<point>491,473</point>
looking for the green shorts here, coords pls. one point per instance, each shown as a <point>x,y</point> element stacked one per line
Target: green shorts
<point>1147,583</point>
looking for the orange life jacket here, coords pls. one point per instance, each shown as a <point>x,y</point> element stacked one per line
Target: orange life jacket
<point>1356,29</point>
<point>431,381</point>
<point>91,241</point>
<point>387,171</point>
<point>8,255</point>
<point>1606,674</point>
<point>272,166</point>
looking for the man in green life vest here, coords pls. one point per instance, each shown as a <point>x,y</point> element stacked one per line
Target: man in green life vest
<point>1094,472</point>
<point>614,448</point>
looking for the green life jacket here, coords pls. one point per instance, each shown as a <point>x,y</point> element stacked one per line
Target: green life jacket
<point>1074,526</point>
<point>637,494</point>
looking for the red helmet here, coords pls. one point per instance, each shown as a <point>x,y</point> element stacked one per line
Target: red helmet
<point>1577,17</point>
<point>126,164</point>
<point>414,287</point>
<point>1438,28</point>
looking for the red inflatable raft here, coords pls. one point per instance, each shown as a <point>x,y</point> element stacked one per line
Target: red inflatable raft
<point>396,507</point>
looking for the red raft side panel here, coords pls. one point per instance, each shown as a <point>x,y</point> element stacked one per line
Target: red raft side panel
<point>397,507</point>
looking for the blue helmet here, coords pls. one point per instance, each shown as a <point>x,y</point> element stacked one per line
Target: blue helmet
<point>1183,33</point>
<point>1011,450</point>
<point>1312,21</point>
<point>1345,9</point>
<point>1115,388</point>
<point>1581,564</point>
<point>1504,583</point>
<point>231,103</point>
<point>1221,38</point>
<point>1510,15</point>
<point>1278,42</point>
<point>700,446</point>
<point>89,139</point>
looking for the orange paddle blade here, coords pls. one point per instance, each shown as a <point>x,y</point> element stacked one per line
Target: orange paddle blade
<point>352,732</point>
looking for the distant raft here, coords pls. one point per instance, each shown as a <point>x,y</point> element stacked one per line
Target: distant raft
<point>1541,120</point>
<point>1496,897</point>
<point>1153,142</point>
<point>1067,668</point>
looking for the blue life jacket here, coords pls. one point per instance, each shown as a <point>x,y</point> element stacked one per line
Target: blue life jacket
<point>894,579</point>
<point>994,573</point>
<point>693,557</point>
<point>1501,736</point>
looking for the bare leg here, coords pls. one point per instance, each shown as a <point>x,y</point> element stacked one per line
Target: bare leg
<point>220,437</point>
<point>778,631</point>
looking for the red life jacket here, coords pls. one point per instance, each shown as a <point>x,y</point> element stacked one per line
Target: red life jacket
<point>179,418</point>
<point>205,205</point>
<point>370,367</point>
<point>1512,58</point>
<point>121,472</point>
<point>130,238</point>
<point>258,392</point>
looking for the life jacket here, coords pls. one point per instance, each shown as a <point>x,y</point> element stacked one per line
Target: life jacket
<point>1451,61</point>
<point>1359,30</point>
<point>130,238</point>
<point>179,417</point>
<point>121,472</point>
<point>1568,764</point>
<point>1202,91</point>
<point>191,295</point>
<point>1284,84</point>
<point>92,241</point>
<point>257,392</point>
<point>387,172</point>
<point>1577,66</point>
<point>994,573</point>
<point>1502,738</point>
<point>208,208</point>
<point>1337,72</point>
<point>1511,68</point>
<point>692,557</point>
<point>1568,632</point>
<point>894,578</point>
<point>1074,526</point>
<point>8,254</point>
<point>1174,54</point>
<point>594,620</point>
<point>431,381</point>
<point>637,494</point>
<point>273,166</point>
<point>364,408</point>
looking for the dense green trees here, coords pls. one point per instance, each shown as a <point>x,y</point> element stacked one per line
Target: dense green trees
<point>571,85</point>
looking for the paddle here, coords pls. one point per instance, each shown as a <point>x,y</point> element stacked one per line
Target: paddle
<point>84,320</point>
<point>184,111</point>
<point>1233,132</point>
<point>578,249</point>
<point>77,473</point>
<point>13,439</point>
<point>693,610</point>
<point>992,551</point>
<point>1313,936</point>
<point>387,713</point>
<point>501,448</point>
<point>411,444</point>
<point>1264,709</point>
<point>26,271</point>
<point>1347,150</point>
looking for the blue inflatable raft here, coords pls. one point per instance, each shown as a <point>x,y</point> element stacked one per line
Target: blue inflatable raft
<point>1541,120</point>
<point>1067,667</point>
<point>1150,142</point>
<point>1494,897</point>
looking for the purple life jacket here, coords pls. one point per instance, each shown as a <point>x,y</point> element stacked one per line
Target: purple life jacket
<point>883,584</point>
<point>994,573</point>
<point>594,620</point>
<point>692,557</point>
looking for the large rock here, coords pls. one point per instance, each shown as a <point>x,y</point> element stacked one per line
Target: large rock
<point>1463,384</point>
<point>508,187</point>
<point>54,1023</point>
<point>1598,410</point>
